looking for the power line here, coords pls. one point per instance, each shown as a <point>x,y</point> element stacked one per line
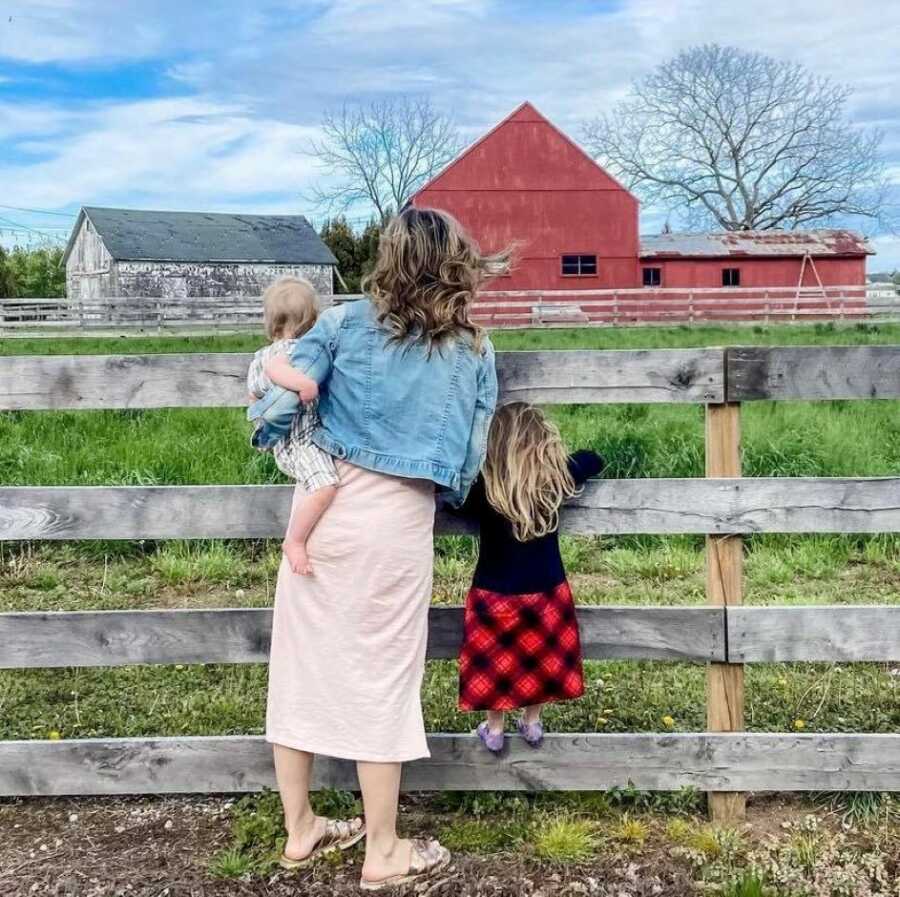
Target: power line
<point>23,226</point>
<point>39,211</point>
<point>18,225</point>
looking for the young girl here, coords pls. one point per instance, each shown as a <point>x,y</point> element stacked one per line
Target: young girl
<point>521,647</point>
<point>290,308</point>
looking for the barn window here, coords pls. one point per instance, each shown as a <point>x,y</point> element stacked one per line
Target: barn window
<point>579,265</point>
<point>652,277</point>
<point>731,277</point>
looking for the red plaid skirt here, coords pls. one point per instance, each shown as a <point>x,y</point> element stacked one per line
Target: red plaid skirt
<point>519,650</point>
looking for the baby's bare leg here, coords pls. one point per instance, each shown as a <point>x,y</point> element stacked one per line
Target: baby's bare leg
<point>304,518</point>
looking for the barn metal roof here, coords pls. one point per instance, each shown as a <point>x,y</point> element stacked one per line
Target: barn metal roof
<point>140,234</point>
<point>755,243</point>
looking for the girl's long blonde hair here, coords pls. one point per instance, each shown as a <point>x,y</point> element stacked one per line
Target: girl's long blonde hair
<point>426,275</point>
<point>526,471</point>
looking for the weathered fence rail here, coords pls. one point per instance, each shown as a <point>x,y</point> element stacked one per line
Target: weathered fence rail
<point>240,763</point>
<point>241,635</point>
<point>163,381</point>
<point>720,506</point>
<point>495,308</point>
<point>726,635</point>
<point>77,382</point>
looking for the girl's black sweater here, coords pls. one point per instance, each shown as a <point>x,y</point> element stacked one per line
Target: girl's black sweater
<point>508,566</point>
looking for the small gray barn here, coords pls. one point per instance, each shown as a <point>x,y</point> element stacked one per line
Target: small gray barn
<point>135,252</point>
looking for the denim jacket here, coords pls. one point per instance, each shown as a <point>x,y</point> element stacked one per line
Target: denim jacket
<point>390,407</point>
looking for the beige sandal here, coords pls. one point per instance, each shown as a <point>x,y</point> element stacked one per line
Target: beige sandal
<point>339,834</point>
<point>428,858</point>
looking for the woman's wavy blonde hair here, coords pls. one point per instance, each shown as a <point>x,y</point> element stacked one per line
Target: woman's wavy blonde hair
<point>426,275</point>
<point>526,471</point>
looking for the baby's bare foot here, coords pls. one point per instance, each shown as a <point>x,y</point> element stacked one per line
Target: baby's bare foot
<point>297,557</point>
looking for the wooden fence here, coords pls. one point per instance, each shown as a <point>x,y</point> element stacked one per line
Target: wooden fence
<point>723,760</point>
<point>495,308</point>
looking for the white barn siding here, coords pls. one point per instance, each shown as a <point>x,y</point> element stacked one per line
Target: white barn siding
<point>90,270</point>
<point>191,279</point>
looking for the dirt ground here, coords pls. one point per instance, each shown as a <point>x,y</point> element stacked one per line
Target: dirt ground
<point>161,847</point>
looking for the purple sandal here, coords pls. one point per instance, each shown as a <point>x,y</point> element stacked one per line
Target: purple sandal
<point>533,733</point>
<point>493,741</point>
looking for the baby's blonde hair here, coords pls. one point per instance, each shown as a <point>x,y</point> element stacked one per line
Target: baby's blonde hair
<point>290,308</point>
<point>526,471</point>
<point>426,275</point>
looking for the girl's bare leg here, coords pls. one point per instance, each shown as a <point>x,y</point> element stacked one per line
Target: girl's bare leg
<point>386,854</point>
<point>496,720</point>
<point>532,714</point>
<point>304,517</point>
<point>304,828</point>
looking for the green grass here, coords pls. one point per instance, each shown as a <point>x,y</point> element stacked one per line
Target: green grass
<point>210,446</point>
<point>622,696</point>
<point>564,840</point>
<point>681,336</point>
<point>487,836</point>
<point>749,884</point>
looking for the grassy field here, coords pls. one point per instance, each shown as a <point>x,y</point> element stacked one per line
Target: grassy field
<point>210,446</point>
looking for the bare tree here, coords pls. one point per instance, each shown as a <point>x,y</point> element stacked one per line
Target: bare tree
<point>741,141</point>
<point>379,154</point>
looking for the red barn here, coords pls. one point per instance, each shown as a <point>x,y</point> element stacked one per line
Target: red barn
<point>576,227</point>
<point>525,182</point>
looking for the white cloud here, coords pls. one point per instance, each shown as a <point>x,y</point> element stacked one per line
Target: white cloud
<point>102,31</point>
<point>181,153</point>
<point>263,73</point>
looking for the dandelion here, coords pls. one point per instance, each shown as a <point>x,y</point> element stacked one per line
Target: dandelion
<point>668,722</point>
<point>601,720</point>
<point>782,681</point>
<point>799,724</point>
<point>53,735</point>
<point>179,666</point>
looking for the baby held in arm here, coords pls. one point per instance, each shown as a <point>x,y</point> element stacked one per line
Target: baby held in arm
<point>290,308</point>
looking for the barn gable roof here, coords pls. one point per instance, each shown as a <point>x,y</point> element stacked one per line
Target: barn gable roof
<point>539,156</point>
<point>759,243</point>
<point>144,235</point>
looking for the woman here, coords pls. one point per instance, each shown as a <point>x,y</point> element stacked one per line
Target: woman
<point>407,391</point>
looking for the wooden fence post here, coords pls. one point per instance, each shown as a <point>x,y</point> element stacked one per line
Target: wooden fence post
<point>724,586</point>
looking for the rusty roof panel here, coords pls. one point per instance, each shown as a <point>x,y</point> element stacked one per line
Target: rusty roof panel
<point>755,243</point>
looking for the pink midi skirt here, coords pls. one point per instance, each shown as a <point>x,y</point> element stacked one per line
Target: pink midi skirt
<point>348,642</point>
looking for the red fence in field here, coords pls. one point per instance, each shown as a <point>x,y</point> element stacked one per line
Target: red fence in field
<point>495,308</point>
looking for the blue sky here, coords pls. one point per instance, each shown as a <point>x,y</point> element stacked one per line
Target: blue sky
<point>183,105</point>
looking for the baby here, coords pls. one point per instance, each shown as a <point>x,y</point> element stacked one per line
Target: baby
<point>290,308</point>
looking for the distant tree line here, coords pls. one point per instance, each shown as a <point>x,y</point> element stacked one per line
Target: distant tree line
<point>355,252</point>
<point>32,273</point>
